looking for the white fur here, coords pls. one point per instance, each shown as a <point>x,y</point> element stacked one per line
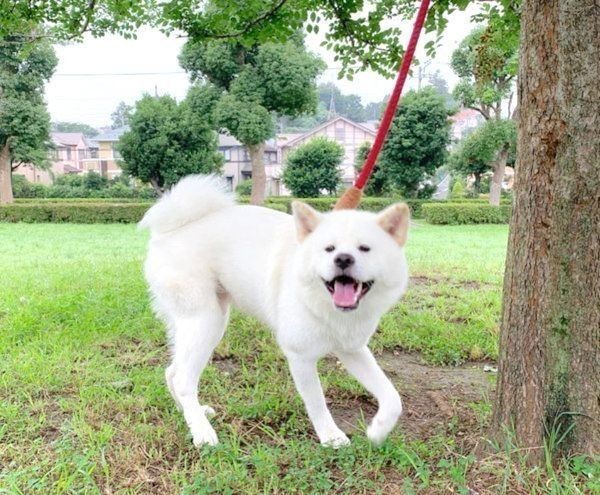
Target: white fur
<point>207,253</point>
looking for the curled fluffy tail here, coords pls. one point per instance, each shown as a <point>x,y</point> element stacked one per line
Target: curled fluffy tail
<point>192,198</point>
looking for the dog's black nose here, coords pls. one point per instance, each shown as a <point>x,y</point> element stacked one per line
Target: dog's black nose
<point>343,261</point>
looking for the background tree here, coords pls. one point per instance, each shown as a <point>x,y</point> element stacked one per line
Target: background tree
<point>256,82</point>
<point>167,140</point>
<point>24,120</point>
<point>476,154</point>
<point>437,81</point>
<point>85,129</point>
<point>313,167</point>
<point>417,141</point>
<point>348,106</point>
<point>378,182</point>
<point>120,117</point>
<point>487,67</point>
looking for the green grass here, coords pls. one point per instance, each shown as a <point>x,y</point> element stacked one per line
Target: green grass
<point>84,408</point>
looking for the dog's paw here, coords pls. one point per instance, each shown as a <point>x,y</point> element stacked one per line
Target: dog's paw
<point>205,436</point>
<point>202,432</point>
<point>335,439</point>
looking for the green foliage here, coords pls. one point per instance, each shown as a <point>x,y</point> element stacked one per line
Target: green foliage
<point>88,185</point>
<point>24,120</point>
<point>348,106</point>
<point>458,190</point>
<point>464,213</point>
<point>120,117</point>
<point>167,141</point>
<point>71,19</point>
<point>254,82</point>
<point>378,182</point>
<point>486,67</point>
<point>85,129</point>
<point>475,155</point>
<point>65,212</point>
<point>80,210</point>
<point>313,167</point>
<point>244,188</point>
<point>417,141</point>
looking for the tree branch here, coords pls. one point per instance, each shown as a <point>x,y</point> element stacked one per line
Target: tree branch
<point>251,24</point>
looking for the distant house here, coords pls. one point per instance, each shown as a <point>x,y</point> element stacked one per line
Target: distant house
<point>71,153</point>
<point>108,155</point>
<point>340,129</point>
<point>238,168</point>
<point>464,122</point>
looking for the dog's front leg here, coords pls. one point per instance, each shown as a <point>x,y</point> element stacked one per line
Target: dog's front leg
<point>306,379</point>
<point>362,365</point>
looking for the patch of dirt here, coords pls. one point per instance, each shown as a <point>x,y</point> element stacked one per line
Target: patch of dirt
<point>420,280</point>
<point>436,398</point>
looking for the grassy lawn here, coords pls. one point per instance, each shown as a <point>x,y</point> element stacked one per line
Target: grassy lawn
<point>84,408</point>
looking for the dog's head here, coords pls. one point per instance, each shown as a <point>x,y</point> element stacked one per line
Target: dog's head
<point>351,257</point>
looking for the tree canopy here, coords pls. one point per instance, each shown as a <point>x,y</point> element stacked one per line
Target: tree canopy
<point>417,141</point>
<point>24,120</point>
<point>167,141</point>
<point>314,167</point>
<point>85,129</point>
<point>476,154</point>
<point>120,116</point>
<point>254,84</point>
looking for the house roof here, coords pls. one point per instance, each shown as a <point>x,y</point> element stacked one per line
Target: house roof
<point>227,141</point>
<point>301,137</point>
<point>464,114</point>
<point>67,138</point>
<point>111,134</point>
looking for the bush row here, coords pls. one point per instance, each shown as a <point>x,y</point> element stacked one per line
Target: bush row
<point>464,213</point>
<point>80,212</point>
<point>100,211</point>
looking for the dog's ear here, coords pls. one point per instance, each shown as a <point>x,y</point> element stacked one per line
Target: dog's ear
<point>306,218</point>
<point>394,220</point>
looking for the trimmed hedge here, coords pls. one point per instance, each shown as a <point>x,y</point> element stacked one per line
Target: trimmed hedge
<point>81,212</point>
<point>464,213</point>
<point>81,200</point>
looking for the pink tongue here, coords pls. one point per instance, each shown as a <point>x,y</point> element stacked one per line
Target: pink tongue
<point>344,295</point>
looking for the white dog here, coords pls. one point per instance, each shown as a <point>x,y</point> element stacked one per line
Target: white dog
<point>320,281</point>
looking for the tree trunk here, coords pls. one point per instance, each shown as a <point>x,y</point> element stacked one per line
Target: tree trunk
<point>477,184</point>
<point>498,176</point>
<point>550,332</point>
<point>259,177</point>
<point>6,194</point>
<point>159,190</point>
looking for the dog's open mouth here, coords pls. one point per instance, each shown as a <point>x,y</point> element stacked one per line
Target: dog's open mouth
<point>347,291</point>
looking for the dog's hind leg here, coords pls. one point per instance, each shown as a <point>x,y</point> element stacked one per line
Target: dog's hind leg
<point>195,337</point>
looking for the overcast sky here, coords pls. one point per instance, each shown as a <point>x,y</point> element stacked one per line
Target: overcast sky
<point>93,76</point>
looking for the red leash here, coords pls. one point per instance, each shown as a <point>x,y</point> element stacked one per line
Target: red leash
<point>352,196</point>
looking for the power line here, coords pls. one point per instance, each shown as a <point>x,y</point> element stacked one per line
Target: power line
<point>110,74</point>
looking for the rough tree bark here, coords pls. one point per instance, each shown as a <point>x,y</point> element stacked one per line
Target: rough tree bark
<point>259,177</point>
<point>497,177</point>
<point>550,331</point>
<point>6,195</point>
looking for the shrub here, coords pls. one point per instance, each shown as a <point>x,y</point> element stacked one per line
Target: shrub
<point>244,188</point>
<point>465,213</point>
<point>314,167</point>
<point>458,190</point>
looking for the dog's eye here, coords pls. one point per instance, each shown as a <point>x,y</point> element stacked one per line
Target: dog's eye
<point>330,248</point>
<point>363,248</point>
